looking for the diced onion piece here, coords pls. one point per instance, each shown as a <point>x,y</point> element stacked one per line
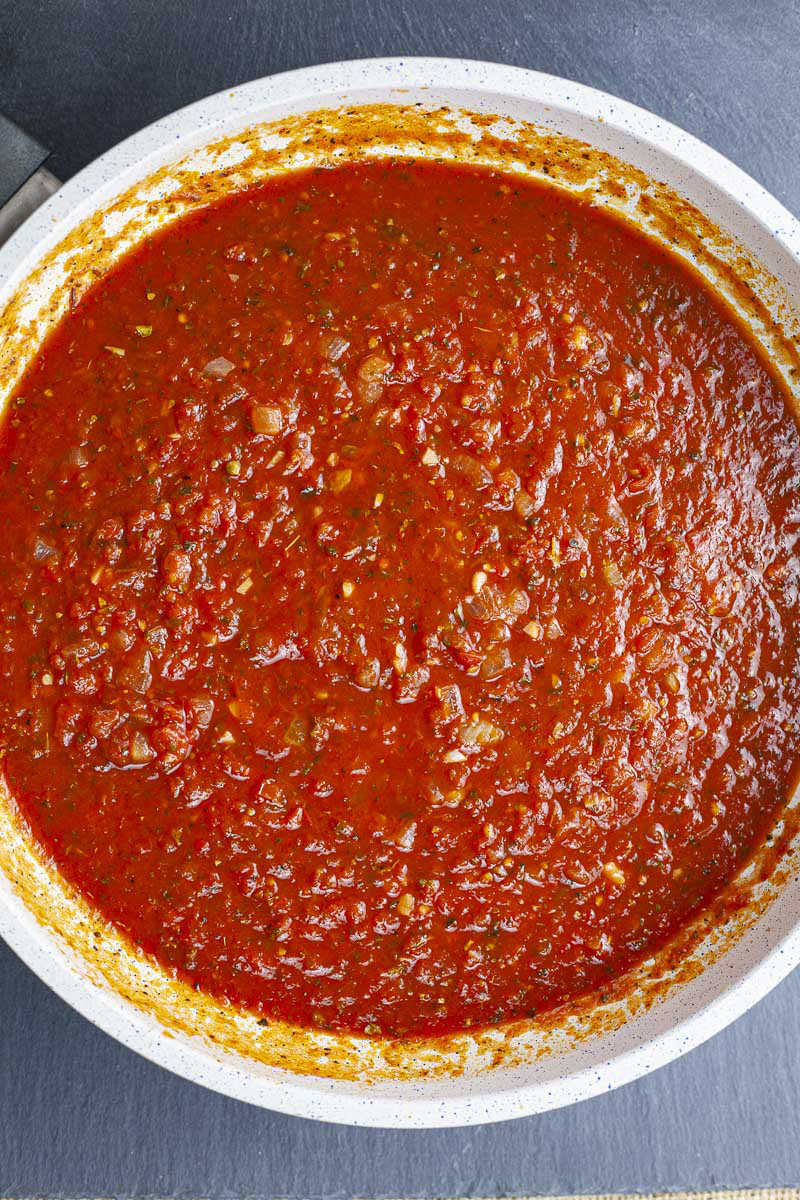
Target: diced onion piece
<point>203,709</point>
<point>334,347</point>
<point>368,674</point>
<point>480,733</point>
<point>404,839</point>
<point>266,418</point>
<point>612,574</point>
<point>492,603</point>
<point>156,638</point>
<point>516,603</point>
<point>340,479</point>
<point>296,732</point>
<point>218,368</point>
<point>672,681</point>
<point>140,749</point>
<point>449,697</point>
<point>41,550</point>
<point>408,686</point>
<point>177,568</point>
<point>579,337</point>
<point>533,630</point>
<point>370,377</point>
<point>136,673</point>
<point>77,457</point>
<point>473,471</point>
<point>405,905</point>
<point>524,505</point>
<point>497,661</point>
<point>614,873</point>
<point>430,458</point>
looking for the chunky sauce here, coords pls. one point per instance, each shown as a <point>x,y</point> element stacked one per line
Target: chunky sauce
<point>398,598</point>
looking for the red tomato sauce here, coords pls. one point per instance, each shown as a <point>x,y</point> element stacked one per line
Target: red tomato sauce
<point>399,598</point>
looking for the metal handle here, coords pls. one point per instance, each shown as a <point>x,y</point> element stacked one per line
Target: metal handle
<point>25,182</point>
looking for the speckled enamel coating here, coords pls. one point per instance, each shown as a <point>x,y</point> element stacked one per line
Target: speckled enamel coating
<point>737,979</point>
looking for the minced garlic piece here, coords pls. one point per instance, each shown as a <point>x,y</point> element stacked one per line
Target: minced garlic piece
<point>614,873</point>
<point>400,658</point>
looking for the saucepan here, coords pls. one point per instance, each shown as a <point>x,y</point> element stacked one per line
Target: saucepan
<point>680,192</point>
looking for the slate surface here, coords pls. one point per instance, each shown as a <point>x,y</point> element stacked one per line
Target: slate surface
<point>81,1116</point>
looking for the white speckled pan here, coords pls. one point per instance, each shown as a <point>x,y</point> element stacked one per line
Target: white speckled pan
<point>659,177</point>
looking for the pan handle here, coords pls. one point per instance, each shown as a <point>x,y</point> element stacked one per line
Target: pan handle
<point>25,182</point>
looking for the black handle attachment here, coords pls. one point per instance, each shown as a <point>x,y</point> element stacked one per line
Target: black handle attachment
<point>25,182</point>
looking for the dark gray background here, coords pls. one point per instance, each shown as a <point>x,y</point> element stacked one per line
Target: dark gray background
<point>81,1116</point>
